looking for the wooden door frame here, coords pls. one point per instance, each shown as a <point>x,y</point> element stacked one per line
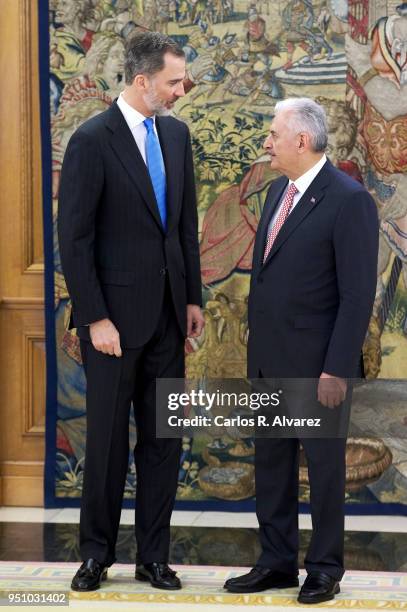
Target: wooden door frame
<point>22,329</point>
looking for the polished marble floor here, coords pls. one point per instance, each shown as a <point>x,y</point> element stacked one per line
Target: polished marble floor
<point>198,538</point>
<point>196,518</point>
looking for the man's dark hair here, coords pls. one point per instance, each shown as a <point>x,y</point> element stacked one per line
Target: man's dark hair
<point>145,54</point>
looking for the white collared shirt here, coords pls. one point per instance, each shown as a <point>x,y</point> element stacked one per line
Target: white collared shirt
<point>134,120</point>
<point>302,183</point>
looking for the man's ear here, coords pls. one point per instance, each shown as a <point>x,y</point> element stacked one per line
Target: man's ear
<point>140,81</point>
<point>303,142</point>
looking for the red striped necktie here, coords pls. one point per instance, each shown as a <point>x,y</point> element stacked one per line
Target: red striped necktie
<point>282,216</point>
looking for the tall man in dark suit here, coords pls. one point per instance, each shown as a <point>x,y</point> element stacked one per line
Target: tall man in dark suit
<point>129,250</point>
<point>312,290</point>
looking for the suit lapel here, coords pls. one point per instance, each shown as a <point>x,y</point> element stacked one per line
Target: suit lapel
<point>168,145</point>
<point>310,199</point>
<point>125,147</point>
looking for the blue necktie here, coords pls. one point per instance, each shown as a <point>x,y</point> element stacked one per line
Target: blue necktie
<point>155,164</point>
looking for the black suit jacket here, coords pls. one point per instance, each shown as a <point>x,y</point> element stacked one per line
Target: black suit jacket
<point>310,302</point>
<point>114,251</point>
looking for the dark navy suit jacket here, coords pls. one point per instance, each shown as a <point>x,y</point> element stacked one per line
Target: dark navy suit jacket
<point>310,302</point>
<point>115,253</point>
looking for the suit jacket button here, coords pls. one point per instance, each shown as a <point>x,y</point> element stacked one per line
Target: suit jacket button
<point>163,271</point>
<point>260,280</point>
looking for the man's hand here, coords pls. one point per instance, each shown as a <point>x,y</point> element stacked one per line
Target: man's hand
<point>105,337</point>
<point>331,390</point>
<point>195,321</point>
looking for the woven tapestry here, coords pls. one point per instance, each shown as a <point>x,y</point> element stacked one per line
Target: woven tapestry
<point>242,57</point>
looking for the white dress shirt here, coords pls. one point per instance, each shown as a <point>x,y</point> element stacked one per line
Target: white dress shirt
<point>134,120</point>
<point>302,183</point>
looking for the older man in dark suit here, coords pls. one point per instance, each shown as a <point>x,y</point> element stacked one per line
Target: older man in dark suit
<point>312,290</point>
<point>129,250</point>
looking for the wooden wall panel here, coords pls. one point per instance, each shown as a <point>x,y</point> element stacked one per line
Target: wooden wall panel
<point>22,330</point>
<point>33,400</point>
<point>32,236</point>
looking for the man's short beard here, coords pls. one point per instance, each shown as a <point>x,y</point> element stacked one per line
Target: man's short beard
<point>155,105</point>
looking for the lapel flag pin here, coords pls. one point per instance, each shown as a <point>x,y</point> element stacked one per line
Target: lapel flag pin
<point>313,200</point>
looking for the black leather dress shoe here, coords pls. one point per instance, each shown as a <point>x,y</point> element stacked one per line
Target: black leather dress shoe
<point>318,587</point>
<point>89,576</point>
<point>260,579</point>
<point>159,575</point>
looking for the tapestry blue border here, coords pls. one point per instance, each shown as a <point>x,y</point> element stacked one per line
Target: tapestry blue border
<point>46,157</point>
<point>50,500</point>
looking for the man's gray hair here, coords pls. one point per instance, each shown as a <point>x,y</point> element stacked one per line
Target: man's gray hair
<point>307,116</point>
<point>144,54</point>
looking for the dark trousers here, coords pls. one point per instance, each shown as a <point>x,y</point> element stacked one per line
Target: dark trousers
<point>112,385</point>
<point>276,469</point>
